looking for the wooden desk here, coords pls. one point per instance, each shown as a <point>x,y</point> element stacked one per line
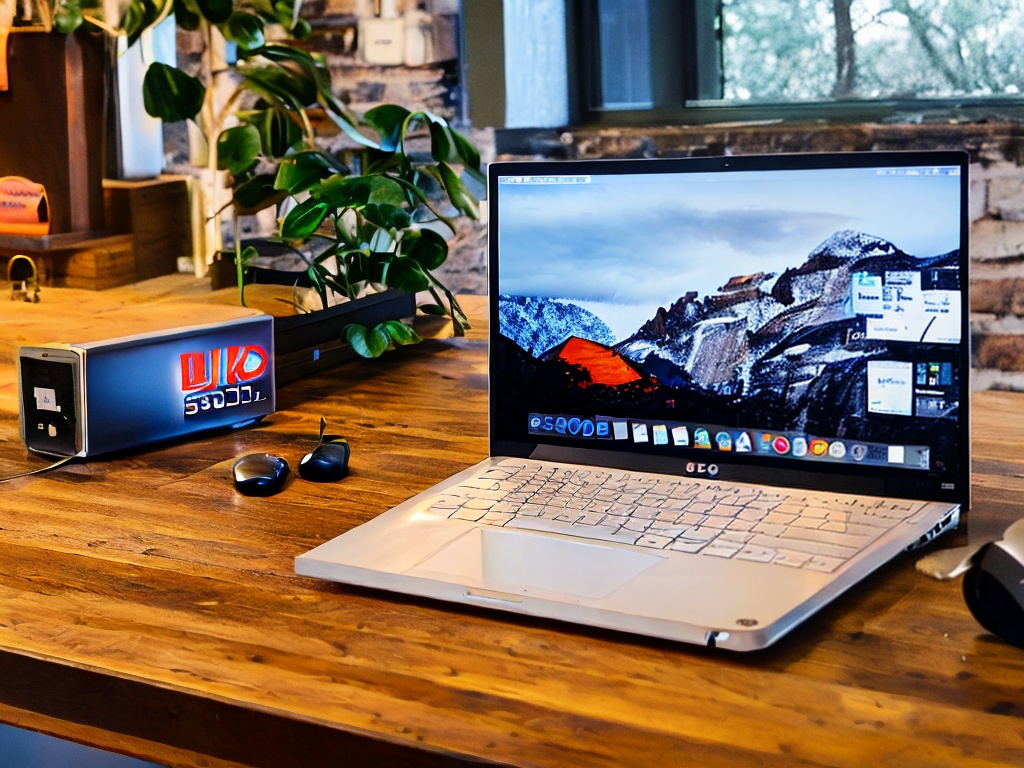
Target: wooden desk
<point>146,607</point>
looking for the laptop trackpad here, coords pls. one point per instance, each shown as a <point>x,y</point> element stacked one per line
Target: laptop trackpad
<point>521,562</point>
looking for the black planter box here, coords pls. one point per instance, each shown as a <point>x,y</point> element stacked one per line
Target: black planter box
<point>311,343</point>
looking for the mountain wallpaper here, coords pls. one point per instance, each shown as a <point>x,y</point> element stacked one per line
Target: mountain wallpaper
<point>771,351</point>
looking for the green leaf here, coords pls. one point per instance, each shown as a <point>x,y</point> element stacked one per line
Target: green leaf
<point>317,274</point>
<point>344,191</point>
<point>426,247</point>
<point>400,333</point>
<point>358,191</point>
<point>186,15</point>
<point>433,309</point>
<point>303,220</point>
<point>442,144</point>
<point>283,75</point>
<point>257,193</point>
<point>278,131</point>
<point>275,85</point>
<point>284,12</point>
<point>246,29</point>
<point>372,267</point>
<point>248,254</point>
<point>238,148</point>
<point>288,72</point>
<point>388,120</point>
<point>215,11</point>
<point>385,191</point>
<point>372,342</point>
<point>458,194</point>
<point>468,154</point>
<point>170,94</point>
<point>386,216</point>
<point>346,122</point>
<point>378,162</point>
<point>301,171</point>
<point>140,15</point>
<point>406,275</point>
<point>67,18</point>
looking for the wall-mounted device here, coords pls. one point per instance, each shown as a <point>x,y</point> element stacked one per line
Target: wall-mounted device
<point>382,36</point>
<point>96,397</point>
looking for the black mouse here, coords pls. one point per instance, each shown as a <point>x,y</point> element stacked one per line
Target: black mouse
<point>994,586</point>
<point>327,462</point>
<point>260,474</point>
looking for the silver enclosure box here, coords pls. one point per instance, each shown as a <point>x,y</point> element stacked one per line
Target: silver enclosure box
<point>97,397</point>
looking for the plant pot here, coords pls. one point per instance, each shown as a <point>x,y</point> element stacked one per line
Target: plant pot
<point>311,343</point>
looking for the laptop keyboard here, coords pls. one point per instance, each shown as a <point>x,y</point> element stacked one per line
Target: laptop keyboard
<point>795,528</point>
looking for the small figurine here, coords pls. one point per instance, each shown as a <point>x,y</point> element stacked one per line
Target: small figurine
<point>24,277</point>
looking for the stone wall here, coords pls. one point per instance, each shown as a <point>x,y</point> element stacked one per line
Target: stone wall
<point>996,151</point>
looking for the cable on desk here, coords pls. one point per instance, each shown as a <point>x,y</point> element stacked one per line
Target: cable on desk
<point>56,464</point>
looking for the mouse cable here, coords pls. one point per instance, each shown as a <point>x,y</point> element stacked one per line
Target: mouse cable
<point>56,464</point>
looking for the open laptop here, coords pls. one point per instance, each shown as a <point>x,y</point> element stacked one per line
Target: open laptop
<point>722,391</point>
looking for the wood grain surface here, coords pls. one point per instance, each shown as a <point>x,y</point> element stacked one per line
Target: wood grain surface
<point>146,607</point>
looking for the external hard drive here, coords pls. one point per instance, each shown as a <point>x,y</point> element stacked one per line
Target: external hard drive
<point>96,397</point>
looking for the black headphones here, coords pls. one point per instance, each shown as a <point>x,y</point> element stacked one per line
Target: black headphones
<point>994,586</point>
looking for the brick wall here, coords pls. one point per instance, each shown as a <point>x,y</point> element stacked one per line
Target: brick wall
<point>433,87</point>
<point>996,151</point>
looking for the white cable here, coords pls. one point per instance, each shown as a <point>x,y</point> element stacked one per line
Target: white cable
<point>56,464</point>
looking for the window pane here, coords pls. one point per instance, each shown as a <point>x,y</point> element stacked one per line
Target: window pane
<point>799,50</point>
<point>625,54</point>
<point>535,64</point>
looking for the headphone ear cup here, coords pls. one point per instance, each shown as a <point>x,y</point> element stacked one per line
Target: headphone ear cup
<point>990,602</point>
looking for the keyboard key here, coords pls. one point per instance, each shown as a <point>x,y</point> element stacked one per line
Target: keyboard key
<point>756,553</point>
<point>718,548</point>
<point>824,564</point>
<point>654,542</point>
<point>719,519</point>
<point>791,559</point>
<point>683,545</point>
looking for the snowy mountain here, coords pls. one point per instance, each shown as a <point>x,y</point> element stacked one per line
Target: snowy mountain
<point>537,325</point>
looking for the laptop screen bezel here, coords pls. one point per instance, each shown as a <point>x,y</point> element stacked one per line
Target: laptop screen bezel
<point>766,470</point>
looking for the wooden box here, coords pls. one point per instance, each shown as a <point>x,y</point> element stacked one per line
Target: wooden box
<point>156,213</point>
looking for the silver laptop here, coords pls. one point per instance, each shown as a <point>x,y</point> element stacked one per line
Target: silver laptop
<point>722,391</point>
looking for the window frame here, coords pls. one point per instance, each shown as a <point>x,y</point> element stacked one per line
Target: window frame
<point>704,72</point>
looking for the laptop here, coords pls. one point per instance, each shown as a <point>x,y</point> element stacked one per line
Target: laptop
<point>722,392</point>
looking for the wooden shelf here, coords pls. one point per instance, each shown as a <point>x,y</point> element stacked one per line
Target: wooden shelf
<point>147,229</point>
<point>45,243</point>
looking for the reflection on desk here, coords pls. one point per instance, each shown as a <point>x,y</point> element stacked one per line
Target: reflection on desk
<point>147,608</point>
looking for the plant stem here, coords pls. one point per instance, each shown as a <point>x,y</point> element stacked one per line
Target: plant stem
<point>460,322</point>
<point>239,270</point>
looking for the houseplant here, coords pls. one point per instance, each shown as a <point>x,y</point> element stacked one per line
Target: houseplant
<point>370,206</point>
<point>377,207</point>
<point>379,215</point>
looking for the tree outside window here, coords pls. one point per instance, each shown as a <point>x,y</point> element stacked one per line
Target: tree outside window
<point>815,50</point>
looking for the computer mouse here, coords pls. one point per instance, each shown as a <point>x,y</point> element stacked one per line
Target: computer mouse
<point>994,586</point>
<point>328,461</point>
<point>260,474</point>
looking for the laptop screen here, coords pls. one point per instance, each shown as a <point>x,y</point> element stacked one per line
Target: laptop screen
<point>791,319</point>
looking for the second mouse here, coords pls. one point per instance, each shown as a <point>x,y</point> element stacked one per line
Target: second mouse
<point>327,462</point>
